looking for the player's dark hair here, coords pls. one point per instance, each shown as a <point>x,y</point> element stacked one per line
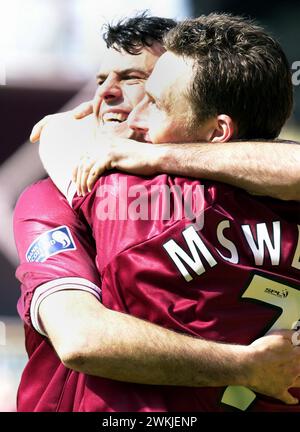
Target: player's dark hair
<point>240,71</point>
<point>135,33</point>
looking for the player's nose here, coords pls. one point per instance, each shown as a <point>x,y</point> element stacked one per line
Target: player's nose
<point>110,89</point>
<point>137,119</point>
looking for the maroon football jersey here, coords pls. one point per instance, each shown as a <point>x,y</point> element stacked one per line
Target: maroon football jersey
<point>56,251</point>
<point>210,261</point>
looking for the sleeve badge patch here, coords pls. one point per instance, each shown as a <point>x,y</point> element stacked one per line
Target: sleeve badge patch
<point>50,243</point>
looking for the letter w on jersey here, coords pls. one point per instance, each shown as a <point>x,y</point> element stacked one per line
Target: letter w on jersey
<point>50,243</point>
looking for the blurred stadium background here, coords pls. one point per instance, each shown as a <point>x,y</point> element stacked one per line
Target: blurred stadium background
<point>49,53</point>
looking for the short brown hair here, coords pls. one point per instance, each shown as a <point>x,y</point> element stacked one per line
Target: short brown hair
<point>240,71</point>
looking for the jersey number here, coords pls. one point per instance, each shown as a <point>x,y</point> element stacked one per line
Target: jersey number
<point>273,293</point>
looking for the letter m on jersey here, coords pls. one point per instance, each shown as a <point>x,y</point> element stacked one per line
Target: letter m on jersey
<point>196,250</point>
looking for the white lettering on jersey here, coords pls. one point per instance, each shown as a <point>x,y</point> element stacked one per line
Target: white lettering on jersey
<point>179,256</point>
<point>226,243</point>
<point>263,239</point>
<point>296,259</point>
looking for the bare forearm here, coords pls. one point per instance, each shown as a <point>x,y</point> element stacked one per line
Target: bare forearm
<point>135,351</point>
<point>261,168</point>
<point>94,340</point>
<point>118,346</point>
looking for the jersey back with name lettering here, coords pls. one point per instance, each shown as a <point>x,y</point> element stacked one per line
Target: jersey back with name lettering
<point>204,259</point>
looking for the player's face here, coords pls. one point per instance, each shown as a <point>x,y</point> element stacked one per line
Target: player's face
<point>121,86</point>
<point>165,114</point>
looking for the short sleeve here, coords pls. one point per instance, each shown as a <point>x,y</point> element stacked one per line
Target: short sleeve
<point>56,249</point>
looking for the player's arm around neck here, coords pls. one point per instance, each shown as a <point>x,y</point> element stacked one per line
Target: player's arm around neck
<point>97,341</point>
<point>262,168</point>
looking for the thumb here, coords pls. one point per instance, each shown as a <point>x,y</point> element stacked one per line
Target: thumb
<point>289,399</point>
<point>286,334</point>
<point>37,129</point>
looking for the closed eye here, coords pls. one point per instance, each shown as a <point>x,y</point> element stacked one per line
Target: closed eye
<point>153,101</point>
<point>101,80</point>
<point>134,79</point>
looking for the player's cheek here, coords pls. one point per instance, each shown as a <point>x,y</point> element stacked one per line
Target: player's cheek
<point>156,125</point>
<point>135,93</point>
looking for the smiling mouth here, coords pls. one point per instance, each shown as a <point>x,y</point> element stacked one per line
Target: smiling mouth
<point>114,117</point>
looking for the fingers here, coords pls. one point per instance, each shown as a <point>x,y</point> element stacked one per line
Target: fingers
<point>286,334</point>
<point>287,398</point>
<point>86,174</point>
<point>74,173</point>
<point>93,176</point>
<point>37,130</point>
<point>83,110</point>
<point>82,175</point>
<point>296,338</point>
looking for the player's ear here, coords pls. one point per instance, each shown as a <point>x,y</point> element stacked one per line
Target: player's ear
<point>224,130</point>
